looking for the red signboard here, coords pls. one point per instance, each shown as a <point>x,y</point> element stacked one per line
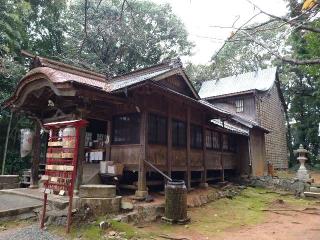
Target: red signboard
<point>61,164</point>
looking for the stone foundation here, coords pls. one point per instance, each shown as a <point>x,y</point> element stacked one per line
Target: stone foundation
<point>9,181</point>
<point>295,186</point>
<point>99,199</point>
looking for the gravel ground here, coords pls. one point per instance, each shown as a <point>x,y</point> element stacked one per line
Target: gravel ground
<point>28,233</point>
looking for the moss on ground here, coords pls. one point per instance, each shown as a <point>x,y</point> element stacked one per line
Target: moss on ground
<point>210,220</point>
<point>243,210</point>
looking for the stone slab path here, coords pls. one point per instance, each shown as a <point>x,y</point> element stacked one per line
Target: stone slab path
<point>32,232</point>
<point>11,201</point>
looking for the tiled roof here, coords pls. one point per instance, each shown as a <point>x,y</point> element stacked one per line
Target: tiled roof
<point>260,80</point>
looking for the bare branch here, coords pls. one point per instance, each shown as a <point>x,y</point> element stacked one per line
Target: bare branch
<point>291,22</point>
<point>284,59</point>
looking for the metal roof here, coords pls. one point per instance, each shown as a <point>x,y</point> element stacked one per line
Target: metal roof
<point>235,117</point>
<point>231,127</point>
<point>116,84</point>
<point>261,80</point>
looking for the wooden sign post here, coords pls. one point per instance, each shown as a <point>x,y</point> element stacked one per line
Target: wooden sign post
<point>61,165</point>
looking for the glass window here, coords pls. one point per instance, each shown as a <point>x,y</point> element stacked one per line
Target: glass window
<point>216,140</point>
<point>232,143</point>
<point>157,132</point>
<point>225,142</point>
<point>239,105</point>
<point>126,129</point>
<point>179,133</point>
<point>209,139</point>
<point>196,136</point>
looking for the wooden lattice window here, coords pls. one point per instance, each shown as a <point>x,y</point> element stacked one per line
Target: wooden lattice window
<point>157,129</point>
<point>239,105</point>
<point>208,139</point>
<point>196,136</point>
<point>179,133</point>
<point>225,142</point>
<point>213,140</point>
<point>126,129</point>
<point>232,143</point>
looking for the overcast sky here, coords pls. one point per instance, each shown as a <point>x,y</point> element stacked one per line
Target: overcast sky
<point>199,15</point>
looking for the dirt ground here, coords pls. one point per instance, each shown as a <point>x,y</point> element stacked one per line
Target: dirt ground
<point>292,226</point>
<point>255,214</point>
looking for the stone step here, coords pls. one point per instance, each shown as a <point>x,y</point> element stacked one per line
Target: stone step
<point>312,194</point>
<point>101,206</point>
<point>9,185</point>
<point>315,189</point>
<point>97,191</point>
<point>9,179</point>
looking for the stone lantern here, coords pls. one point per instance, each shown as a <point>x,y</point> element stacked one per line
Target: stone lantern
<point>302,173</point>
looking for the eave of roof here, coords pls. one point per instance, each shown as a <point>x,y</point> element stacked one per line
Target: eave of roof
<point>261,80</point>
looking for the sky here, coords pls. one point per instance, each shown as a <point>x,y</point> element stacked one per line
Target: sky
<point>199,17</point>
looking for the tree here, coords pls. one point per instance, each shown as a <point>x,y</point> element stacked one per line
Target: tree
<point>115,38</point>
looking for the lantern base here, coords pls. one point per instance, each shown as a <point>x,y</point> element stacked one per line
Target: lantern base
<point>303,175</point>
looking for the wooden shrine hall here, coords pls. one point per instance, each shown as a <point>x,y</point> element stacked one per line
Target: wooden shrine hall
<point>150,120</point>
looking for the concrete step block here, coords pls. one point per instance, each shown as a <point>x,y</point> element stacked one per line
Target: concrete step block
<point>101,206</point>
<point>97,191</point>
<point>9,185</point>
<point>9,179</point>
<point>315,189</point>
<point>312,194</point>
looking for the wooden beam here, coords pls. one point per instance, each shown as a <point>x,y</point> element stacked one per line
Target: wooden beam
<point>204,152</point>
<point>142,191</point>
<point>35,156</point>
<point>108,142</point>
<point>169,140</point>
<point>188,177</point>
<point>81,153</point>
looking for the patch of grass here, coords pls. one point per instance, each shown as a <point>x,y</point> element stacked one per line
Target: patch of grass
<point>210,220</point>
<point>129,230</point>
<point>215,217</point>
<point>83,231</point>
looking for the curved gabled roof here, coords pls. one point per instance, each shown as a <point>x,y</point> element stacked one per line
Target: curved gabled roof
<point>261,80</point>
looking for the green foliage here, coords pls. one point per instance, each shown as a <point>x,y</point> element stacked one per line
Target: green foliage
<point>119,38</point>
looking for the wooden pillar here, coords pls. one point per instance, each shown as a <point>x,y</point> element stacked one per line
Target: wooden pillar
<point>204,160</point>
<point>35,156</point>
<point>169,141</point>
<point>188,177</point>
<point>221,156</point>
<point>83,112</point>
<point>108,143</point>
<point>142,191</point>
<point>81,157</point>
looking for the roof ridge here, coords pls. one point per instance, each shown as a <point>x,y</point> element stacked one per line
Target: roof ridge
<point>260,70</point>
<point>47,62</point>
<point>169,63</point>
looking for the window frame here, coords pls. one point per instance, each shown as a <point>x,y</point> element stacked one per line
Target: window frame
<point>156,139</point>
<point>194,131</point>
<point>211,134</point>
<point>177,137</point>
<point>239,103</point>
<point>131,131</point>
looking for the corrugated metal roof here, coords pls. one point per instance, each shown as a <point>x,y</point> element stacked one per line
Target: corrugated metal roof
<point>260,80</point>
<point>249,123</point>
<point>231,127</point>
